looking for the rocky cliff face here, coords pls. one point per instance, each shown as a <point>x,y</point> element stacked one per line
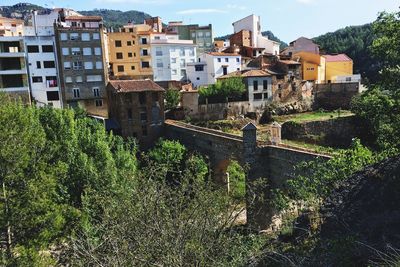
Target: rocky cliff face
<point>362,216</point>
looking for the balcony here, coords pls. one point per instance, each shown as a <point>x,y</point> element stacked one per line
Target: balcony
<point>14,89</point>
<point>13,72</point>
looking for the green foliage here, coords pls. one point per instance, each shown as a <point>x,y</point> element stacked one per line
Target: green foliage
<point>237,177</point>
<point>386,47</point>
<point>50,159</point>
<point>318,178</point>
<point>172,97</point>
<point>226,88</point>
<point>117,18</point>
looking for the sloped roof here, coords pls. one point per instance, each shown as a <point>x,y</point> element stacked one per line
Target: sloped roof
<point>337,58</point>
<point>85,18</point>
<point>127,86</point>
<point>246,73</point>
<point>222,54</point>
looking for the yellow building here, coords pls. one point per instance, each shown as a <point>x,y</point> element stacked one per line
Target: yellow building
<point>129,52</point>
<point>11,27</point>
<point>337,65</point>
<point>313,66</point>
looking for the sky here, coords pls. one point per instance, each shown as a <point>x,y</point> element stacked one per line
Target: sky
<point>287,19</point>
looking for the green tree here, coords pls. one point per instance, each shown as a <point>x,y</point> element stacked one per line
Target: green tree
<point>172,97</point>
<point>225,88</point>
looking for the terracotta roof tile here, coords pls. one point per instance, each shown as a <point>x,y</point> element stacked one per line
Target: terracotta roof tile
<point>126,86</point>
<point>337,58</point>
<point>222,54</point>
<point>246,73</point>
<point>86,18</point>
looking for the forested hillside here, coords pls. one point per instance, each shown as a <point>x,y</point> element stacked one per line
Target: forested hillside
<point>117,18</point>
<point>353,41</point>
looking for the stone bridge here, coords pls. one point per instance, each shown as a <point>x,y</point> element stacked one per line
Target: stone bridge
<point>264,160</point>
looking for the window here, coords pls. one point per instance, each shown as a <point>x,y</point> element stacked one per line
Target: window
<point>183,73</point>
<point>193,34</point>
<point>78,79</point>
<point>67,65</point>
<point>208,44</point>
<point>74,36</point>
<point>200,34</point>
<point>219,59</point>
<point>145,52</point>
<point>266,96</point>
<point>130,29</point>
<point>145,64</point>
<point>38,65</point>
<point>76,51</point>
<point>199,68</point>
<point>157,38</point>
<point>129,113</point>
<point>255,85</point>
<point>87,51</point>
<point>129,54</point>
<point>226,59</point>
<point>49,64</point>
<point>77,65</point>
<point>51,81</point>
<point>143,114</point>
<point>94,78</point>
<point>183,63</point>
<point>258,96</point>
<point>119,56</point>
<point>76,92</point>
<point>37,79</point>
<point>144,41</point>
<point>279,86</point>
<point>280,77</point>
<point>33,49</point>
<point>348,79</point>
<point>74,24</point>
<point>237,60</point>
<point>134,54</point>
<point>118,43</point>
<point>224,70</point>
<point>173,60</point>
<point>99,65</point>
<point>68,79</point>
<point>158,51</point>
<point>52,96</point>
<point>142,98</point>
<point>96,92</point>
<point>129,43</point>
<point>97,51</point>
<point>174,72</point>
<point>201,44</point>
<point>85,36</point>
<point>208,34</point>
<point>64,36</point>
<point>47,49</point>
<point>191,52</point>
<point>144,130</point>
<point>98,102</point>
<point>65,51</point>
<point>96,36</point>
<point>265,85</point>
<point>182,52</point>
<point>88,65</point>
<point>159,63</point>
<point>120,68</point>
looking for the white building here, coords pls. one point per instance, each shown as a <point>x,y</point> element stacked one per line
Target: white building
<point>43,71</point>
<point>252,23</point>
<point>170,56</point>
<point>211,66</point>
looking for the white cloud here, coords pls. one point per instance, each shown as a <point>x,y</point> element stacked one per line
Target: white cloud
<point>200,11</point>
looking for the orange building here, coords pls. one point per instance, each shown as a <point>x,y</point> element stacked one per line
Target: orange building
<point>129,52</point>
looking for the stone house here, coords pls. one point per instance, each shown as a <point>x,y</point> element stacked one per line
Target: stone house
<point>137,106</point>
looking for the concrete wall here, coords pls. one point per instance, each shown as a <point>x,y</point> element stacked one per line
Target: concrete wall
<point>335,95</point>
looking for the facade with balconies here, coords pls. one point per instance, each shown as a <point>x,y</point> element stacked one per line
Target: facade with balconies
<point>13,71</point>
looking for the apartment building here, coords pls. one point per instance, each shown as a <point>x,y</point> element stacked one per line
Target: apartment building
<point>202,36</point>
<point>210,66</point>
<point>80,45</point>
<point>13,70</point>
<point>170,56</point>
<point>129,52</point>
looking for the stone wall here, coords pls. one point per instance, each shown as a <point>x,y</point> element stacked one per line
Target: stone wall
<point>333,96</point>
<point>221,111</point>
<point>337,132</point>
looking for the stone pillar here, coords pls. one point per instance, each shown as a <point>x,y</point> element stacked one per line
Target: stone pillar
<point>276,133</point>
<point>249,143</point>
